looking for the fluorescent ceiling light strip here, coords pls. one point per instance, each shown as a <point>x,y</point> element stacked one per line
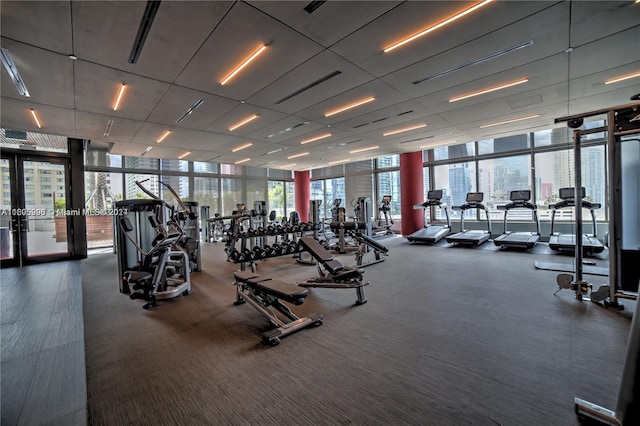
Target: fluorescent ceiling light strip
<point>167,133</point>
<point>436,26</point>
<point>492,89</point>
<point>13,72</point>
<point>243,122</point>
<point>317,138</point>
<point>190,110</point>
<point>353,105</point>
<point>184,155</point>
<point>242,161</point>
<point>339,161</point>
<point>274,151</point>
<point>513,120</point>
<point>622,78</point>
<point>289,165</point>
<point>146,150</point>
<point>119,98</point>
<point>143,30</point>
<point>406,129</point>
<point>309,86</point>
<point>370,148</point>
<point>243,64</point>
<point>477,61</point>
<point>107,129</point>
<point>35,117</point>
<point>291,157</point>
<point>246,145</point>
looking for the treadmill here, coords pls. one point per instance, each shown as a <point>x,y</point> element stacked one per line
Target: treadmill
<point>431,234</point>
<point>566,243</point>
<point>473,237</point>
<point>522,240</point>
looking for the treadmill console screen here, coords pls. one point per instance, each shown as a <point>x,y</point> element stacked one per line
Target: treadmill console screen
<point>524,195</point>
<point>475,197</point>
<point>568,193</point>
<point>435,195</point>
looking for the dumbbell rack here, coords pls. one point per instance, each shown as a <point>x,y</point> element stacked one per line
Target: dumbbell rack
<point>253,249</point>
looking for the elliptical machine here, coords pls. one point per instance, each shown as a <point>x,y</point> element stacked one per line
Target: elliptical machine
<point>164,272</point>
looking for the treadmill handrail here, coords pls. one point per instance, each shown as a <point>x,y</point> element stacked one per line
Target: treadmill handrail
<point>520,204</point>
<point>473,205</point>
<point>592,208</point>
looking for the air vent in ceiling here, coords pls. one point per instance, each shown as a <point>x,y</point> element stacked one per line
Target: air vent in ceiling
<point>288,129</point>
<point>382,119</point>
<point>312,6</point>
<point>143,30</point>
<point>309,86</point>
<point>416,139</point>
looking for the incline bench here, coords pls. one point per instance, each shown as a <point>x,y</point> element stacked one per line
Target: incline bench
<point>264,293</point>
<point>332,273</point>
<point>364,243</point>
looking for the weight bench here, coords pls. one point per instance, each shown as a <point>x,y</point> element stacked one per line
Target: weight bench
<point>332,273</point>
<point>264,293</point>
<point>364,243</point>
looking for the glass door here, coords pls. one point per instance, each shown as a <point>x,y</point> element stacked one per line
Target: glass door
<point>35,218</point>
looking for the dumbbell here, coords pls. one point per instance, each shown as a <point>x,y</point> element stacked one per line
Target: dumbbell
<point>233,255</point>
<point>259,253</point>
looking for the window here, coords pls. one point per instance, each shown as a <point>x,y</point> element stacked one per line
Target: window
<point>455,180</point>
<point>256,191</point>
<point>149,182</point>
<point>388,161</point>
<point>206,193</point>
<point>554,170</point>
<point>101,158</point>
<point>203,167</point>
<point>41,186</point>
<point>388,183</point>
<point>506,144</point>
<point>232,195</point>
<point>454,151</point>
<point>498,177</point>
<point>102,189</point>
<point>180,184</point>
<point>141,163</point>
<point>290,194</point>
<point>45,172</point>
<point>276,197</point>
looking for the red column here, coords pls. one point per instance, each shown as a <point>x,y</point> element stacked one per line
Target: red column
<point>411,191</point>
<point>302,182</point>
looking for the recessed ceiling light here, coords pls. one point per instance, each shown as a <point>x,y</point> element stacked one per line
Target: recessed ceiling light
<point>353,105</point>
<point>190,110</point>
<point>297,155</point>
<point>244,63</point>
<point>243,122</point>
<point>404,129</point>
<point>316,138</point>
<point>35,118</point>
<point>242,161</point>
<point>622,78</point>
<point>164,135</point>
<point>13,72</point>
<point>246,145</point>
<point>339,161</point>
<point>513,120</point>
<point>116,105</point>
<point>184,155</point>
<point>370,148</point>
<point>489,90</point>
<point>436,26</point>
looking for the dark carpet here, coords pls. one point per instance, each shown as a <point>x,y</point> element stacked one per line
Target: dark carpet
<point>450,336</point>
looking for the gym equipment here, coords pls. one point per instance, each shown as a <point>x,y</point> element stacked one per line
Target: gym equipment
<point>364,244</point>
<point>471,237</point>
<point>431,233</point>
<point>265,295</point>
<point>567,242</point>
<point>332,273</point>
<point>621,122</point>
<point>519,200</point>
<point>164,273</point>
<point>384,207</point>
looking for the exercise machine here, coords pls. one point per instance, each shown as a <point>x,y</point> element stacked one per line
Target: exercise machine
<point>567,242</point>
<point>266,295</point>
<point>471,237</point>
<point>384,207</point>
<point>331,272</point>
<point>368,245</point>
<point>164,272</point>
<point>431,233</point>
<point>621,123</point>
<point>524,240</point>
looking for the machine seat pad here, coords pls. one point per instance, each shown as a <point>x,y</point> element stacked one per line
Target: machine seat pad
<point>348,274</point>
<point>320,253</point>
<point>288,292</point>
<point>135,277</point>
<point>243,276</point>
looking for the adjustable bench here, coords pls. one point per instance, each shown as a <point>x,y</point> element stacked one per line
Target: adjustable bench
<point>365,242</point>
<point>264,293</point>
<point>332,273</point>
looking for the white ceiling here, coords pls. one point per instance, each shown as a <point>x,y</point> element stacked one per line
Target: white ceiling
<point>192,45</point>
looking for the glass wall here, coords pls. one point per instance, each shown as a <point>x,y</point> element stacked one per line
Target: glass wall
<point>498,177</point>
<point>456,180</point>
